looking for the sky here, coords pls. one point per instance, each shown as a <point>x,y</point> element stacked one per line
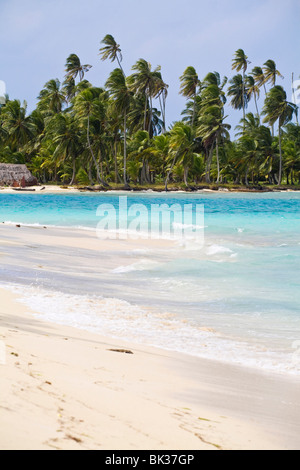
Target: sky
<point>37,36</point>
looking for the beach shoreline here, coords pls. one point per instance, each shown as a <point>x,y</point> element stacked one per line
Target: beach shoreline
<point>59,189</point>
<point>65,388</point>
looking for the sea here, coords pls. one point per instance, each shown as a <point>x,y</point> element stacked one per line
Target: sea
<point>226,287</point>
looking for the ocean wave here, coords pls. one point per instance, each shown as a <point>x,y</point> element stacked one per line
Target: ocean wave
<point>142,265</point>
<point>217,249</point>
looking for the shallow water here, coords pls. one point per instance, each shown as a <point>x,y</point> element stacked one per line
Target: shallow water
<point>232,295</point>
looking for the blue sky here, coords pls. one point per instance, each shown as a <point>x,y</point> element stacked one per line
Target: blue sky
<point>36,37</point>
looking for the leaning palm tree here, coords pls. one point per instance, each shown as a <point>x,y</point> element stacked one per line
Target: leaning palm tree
<point>249,126</point>
<point>74,68</point>
<point>161,92</point>
<point>277,108</point>
<point>64,133</point>
<point>87,106</point>
<point>253,90</point>
<point>144,82</point>
<point>294,96</point>
<point>121,96</point>
<point>51,98</point>
<point>240,62</point>
<point>69,89</point>
<point>214,78</point>
<point>271,73</point>
<point>259,77</point>
<point>239,93</point>
<point>212,129</point>
<point>190,86</point>
<point>19,127</point>
<point>111,50</point>
<point>181,149</point>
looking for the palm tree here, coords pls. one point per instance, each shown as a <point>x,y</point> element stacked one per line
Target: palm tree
<point>64,132</point>
<point>239,93</point>
<point>294,96</point>
<point>51,98</point>
<point>253,90</point>
<point>277,108</point>
<point>144,82</point>
<point>271,73</point>
<point>240,62</point>
<point>189,87</point>
<point>161,93</point>
<point>88,106</point>
<point>191,109</point>
<point>20,128</point>
<point>212,129</point>
<point>214,78</point>
<point>140,151</point>
<point>182,143</point>
<point>249,125</point>
<point>259,77</point>
<point>160,151</point>
<point>74,68</point>
<point>69,89</point>
<point>122,96</point>
<point>111,50</point>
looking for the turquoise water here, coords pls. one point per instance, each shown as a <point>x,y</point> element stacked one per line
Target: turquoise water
<point>237,293</point>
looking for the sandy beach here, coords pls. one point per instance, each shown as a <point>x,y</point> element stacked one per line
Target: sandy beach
<point>52,188</point>
<point>62,388</point>
<point>67,388</point>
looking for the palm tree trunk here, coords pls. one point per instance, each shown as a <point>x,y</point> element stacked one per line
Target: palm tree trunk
<point>90,173</point>
<point>265,89</point>
<point>194,111</point>
<point>120,66</point>
<point>125,150</point>
<point>145,112</point>
<point>208,163</point>
<point>101,164</point>
<point>114,152</point>
<point>218,161</point>
<point>246,176</point>
<point>280,158</point>
<point>294,98</point>
<point>185,175</point>
<point>255,99</point>
<point>92,153</point>
<point>161,103</point>
<point>74,172</point>
<point>150,119</point>
<point>244,100</point>
<point>169,172</point>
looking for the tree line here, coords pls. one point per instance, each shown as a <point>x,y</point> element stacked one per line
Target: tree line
<point>116,135</point>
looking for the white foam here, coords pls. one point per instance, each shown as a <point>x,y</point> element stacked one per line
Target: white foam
<point>217,249</point>
<point>117,318</point>
<point>141,265</point>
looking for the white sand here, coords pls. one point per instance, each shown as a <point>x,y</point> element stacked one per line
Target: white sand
<point>62,388</point>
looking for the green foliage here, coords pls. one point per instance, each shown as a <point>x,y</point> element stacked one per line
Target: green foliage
<point>81,133</point>
<point>82,177</point>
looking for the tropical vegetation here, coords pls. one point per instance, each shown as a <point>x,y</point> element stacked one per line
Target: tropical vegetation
<point>116,135</point>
